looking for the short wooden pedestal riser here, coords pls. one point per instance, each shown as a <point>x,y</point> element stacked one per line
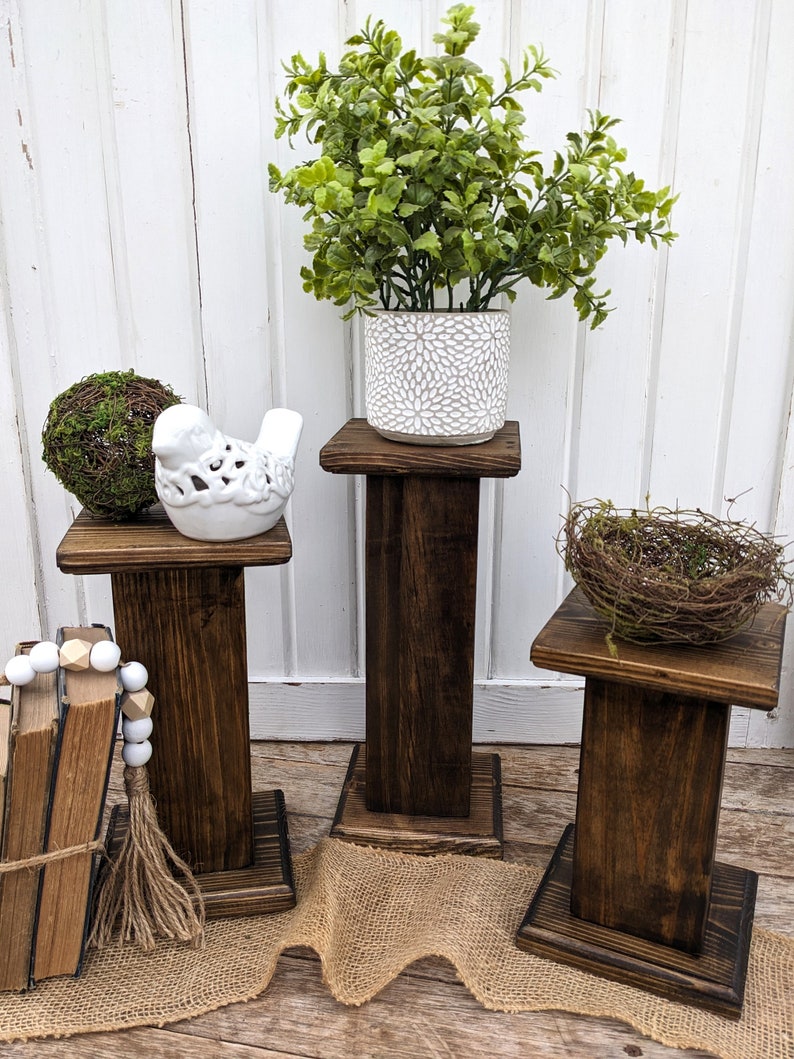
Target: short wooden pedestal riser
<point>179,608</point>
<point>416,785</point>
<point>633,891</point>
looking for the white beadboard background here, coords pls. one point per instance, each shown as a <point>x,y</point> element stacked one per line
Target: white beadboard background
<point>137,231</point>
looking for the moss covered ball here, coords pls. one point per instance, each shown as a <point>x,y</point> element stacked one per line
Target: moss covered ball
<point>97,441</point>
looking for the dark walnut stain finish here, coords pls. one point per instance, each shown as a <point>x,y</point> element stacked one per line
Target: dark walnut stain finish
<point>650,781</point>
<point>421,577</point>
<point>744,670</point>
<point>266,885</point>
<point>634,892</point>
<point>179,608</point>
<point>422,521</point>
<point>480,833</point>
<point>149,541</point>
<point>713,978</point>
<point>359,449</point>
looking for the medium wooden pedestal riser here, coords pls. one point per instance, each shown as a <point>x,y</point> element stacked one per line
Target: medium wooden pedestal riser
<point>416,785</point>
<point>179,608</point>
<point>633,891</point>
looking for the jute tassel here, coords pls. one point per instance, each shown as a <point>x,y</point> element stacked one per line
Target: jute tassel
<point>140,895</point>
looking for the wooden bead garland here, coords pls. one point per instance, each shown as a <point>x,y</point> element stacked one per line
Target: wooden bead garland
<point>137,701</point>
<point>140,896</point>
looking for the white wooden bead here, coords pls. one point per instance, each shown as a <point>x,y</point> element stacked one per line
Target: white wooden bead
<point>135,731</point>
<point>105,656</point>
<point>19,671</point>
<point>45,656</point>
<point>136,754</point>
<point>133,676</point>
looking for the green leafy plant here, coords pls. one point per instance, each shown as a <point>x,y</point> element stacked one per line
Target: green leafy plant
<point>425,192</point>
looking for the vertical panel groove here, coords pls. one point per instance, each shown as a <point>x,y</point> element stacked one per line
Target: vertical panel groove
<point>668,159</point>
<point>743,225</point>
<point>181,24</point>
<point>276,335</point>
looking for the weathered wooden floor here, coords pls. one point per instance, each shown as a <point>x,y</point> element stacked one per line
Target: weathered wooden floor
<point>426,1011</point>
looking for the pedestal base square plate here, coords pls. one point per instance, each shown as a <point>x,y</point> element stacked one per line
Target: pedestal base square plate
<point>713,979</point>
<point>266,886</point>
<point>478,834</point>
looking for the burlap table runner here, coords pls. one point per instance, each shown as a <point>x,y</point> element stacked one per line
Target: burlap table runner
<point>368,914</point>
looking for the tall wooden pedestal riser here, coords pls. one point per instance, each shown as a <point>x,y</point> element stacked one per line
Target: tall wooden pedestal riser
<point>417,786</point>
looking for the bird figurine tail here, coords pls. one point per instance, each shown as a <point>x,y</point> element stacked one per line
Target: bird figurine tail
<point>280,433</point>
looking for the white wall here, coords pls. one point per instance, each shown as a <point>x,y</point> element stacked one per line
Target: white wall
<point>136,231</point>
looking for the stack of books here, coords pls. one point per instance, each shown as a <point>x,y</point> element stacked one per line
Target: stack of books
<point>56,746</point>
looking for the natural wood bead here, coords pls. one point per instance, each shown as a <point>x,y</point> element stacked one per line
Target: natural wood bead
<point>137,704</point>
<point>76,654</point>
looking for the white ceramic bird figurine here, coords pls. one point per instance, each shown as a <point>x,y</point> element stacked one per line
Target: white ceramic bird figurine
<point>216,488</point>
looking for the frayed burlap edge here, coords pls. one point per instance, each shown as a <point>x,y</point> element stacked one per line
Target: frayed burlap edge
<point>369,914</point>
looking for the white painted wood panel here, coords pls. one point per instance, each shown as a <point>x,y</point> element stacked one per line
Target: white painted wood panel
<point>136,230</point>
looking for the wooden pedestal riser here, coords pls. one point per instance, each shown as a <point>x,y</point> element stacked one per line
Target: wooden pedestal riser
<point>179,607</point>
<point>416,787</point>
<point>633,891</point>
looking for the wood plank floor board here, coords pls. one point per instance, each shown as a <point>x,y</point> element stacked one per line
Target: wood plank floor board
<point>426,1011</point>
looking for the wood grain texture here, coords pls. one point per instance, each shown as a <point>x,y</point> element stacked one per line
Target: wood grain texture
<point>187,626</point>
<point>650,782</point>
<point>267,885</point>
<point>98,546</point>
<point>713,978</point>
<point>642,863</point>
<point>744,670</point>
<point>357,448</point>
<point>479,833</point>
<point>179,608</point>
<point>421,556</point>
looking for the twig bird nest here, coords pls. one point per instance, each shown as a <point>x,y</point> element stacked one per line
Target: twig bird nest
<point>97,441</point>
<point>672,576</point>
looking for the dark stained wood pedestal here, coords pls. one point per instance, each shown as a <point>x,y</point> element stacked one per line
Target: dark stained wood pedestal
<point>179,608</point>
<point>633,891</point>
<point>414,787</point>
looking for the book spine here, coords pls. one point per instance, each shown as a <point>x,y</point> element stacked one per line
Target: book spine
<point>30,768</point>
<point>90,705</point>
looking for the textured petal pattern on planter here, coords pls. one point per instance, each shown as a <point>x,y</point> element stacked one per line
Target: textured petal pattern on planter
<point>437,374</point>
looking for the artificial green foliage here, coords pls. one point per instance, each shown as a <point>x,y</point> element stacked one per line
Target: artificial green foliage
<point>97,441</point>
<point>425,186</point>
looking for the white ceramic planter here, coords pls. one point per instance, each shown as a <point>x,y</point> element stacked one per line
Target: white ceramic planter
<point>437,378</point>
